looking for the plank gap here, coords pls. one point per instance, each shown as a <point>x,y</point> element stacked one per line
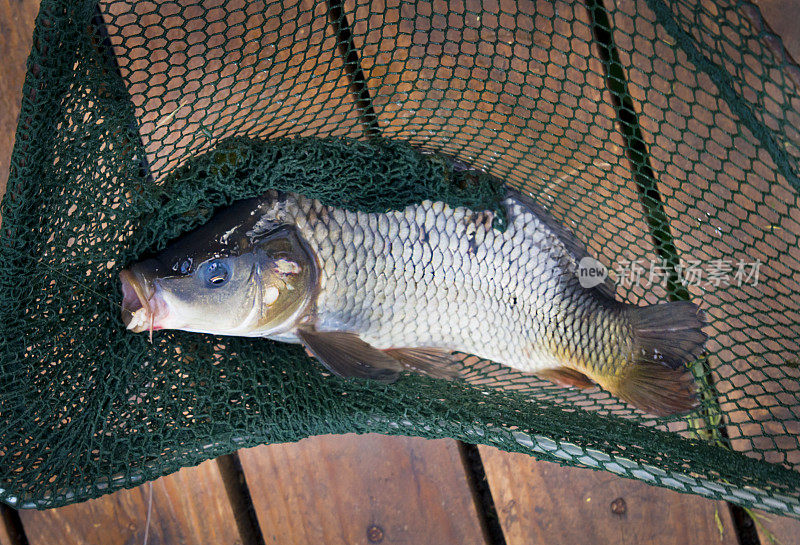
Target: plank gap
<point>744,525</point>
<point>482,494</point>
<point>352,67</point>
<point>230,467</point>
<point>106,49</point>
<point>12,525</point>
<point>635,148</point>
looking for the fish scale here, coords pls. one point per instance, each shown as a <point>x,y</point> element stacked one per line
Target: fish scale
<point>465,308</point>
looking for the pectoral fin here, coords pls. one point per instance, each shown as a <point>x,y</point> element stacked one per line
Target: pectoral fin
<point>434,362</point>
<point>346,355</point>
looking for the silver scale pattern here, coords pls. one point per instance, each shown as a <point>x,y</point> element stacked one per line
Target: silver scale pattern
<point>437,276</point>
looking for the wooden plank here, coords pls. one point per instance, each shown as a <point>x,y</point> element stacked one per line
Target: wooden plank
<point>782,17</point>
<point>189,507</point>
<point>199,72</point>
<point>726,204</point>
<point>512,87</point>
<point>774,530</point>
<point>541,502</point>
<point>362,489</point>
<point>16,28</point>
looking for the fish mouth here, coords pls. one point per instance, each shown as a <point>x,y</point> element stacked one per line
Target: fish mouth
<point>137,313</point>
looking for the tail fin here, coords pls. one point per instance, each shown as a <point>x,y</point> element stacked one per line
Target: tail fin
<point>665,339</point>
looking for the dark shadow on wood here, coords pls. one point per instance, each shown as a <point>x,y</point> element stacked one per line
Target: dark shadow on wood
<point>103,44</point>
<point>352,66</point>
<point>484,502</point>
<point>746,530</point>
<point>635,148</point>
<point>10,519</point>
<point>241,502</point>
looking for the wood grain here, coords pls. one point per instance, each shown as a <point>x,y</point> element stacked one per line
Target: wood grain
<point>341,489</point>
<point>513,88</point>
<point>189,507</point>
<point>774,530</point>
<point>541,502</point>
<point>16,28</point>
<point>199,72</point>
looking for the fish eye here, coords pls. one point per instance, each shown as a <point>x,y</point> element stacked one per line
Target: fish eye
<point>216,273</point>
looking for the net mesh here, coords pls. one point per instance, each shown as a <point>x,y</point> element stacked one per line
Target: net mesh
<point>665,136</point>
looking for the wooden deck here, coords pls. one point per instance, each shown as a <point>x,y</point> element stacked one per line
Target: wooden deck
<point>369,489</point>
<point>372,489</point>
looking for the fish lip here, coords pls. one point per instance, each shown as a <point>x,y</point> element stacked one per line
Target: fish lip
<point>135,301</point>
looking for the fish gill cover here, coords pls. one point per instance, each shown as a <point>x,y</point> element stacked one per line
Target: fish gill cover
<point>663,136</point>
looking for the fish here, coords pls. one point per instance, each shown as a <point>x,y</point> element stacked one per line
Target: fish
<point>375,295</point>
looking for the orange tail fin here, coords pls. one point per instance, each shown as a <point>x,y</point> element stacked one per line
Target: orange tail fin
<point>666,338</point>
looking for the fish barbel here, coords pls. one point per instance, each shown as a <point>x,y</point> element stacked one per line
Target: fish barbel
<point>373,294</point>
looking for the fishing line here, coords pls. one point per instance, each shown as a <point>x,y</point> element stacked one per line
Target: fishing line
<point>81,284</point>
<point>92,290</point>
<point>149,512</point>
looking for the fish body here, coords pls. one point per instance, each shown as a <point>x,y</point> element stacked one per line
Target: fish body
<point>441,277</point>
<point>373,294</point>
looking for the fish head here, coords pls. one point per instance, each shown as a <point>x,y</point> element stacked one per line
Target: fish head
<point>236,275</point>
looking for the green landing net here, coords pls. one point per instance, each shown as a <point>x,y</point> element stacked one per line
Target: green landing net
<point>665,135</point>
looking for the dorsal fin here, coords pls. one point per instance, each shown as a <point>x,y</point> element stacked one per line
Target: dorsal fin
<point>572,244</point>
